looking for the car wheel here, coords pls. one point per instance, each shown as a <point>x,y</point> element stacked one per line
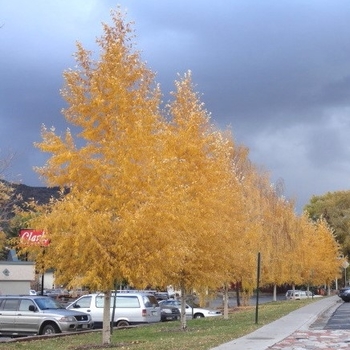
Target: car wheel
<point>123,323</point>
<point>50,329</point>
<point>198,316</point>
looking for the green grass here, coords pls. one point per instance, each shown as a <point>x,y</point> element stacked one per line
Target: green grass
<point>200,334</point>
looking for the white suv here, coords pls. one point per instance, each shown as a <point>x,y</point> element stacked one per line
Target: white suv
<point>28,315</point>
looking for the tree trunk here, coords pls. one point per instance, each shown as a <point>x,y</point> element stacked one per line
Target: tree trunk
<point>237,294</point>
<point>225,301</point>
<point>113,308</point>
<point>183,309</point>
<point>106,329</point>
<point>293,288</point>
<point>274,292</point>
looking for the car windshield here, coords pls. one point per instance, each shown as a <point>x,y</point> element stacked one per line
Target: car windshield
<point>48,303</point>
<point>150,300</point>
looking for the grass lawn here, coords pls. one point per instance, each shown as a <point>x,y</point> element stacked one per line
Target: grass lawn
<point>200,334</point>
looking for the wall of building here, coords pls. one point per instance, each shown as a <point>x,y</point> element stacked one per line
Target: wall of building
<point>16,276</point>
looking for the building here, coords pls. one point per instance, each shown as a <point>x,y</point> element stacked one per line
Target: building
<point>16,276</point>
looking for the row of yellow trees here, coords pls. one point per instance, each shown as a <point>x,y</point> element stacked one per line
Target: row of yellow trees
<point>162,197</point>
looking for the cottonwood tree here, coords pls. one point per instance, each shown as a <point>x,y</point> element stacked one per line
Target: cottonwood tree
<point>195,168</point>
<point>321,257</point>
<point>329,253</point>
<point>109,167</point>
<point>242,217</point>
<point>142,190</point>
<point>278,212</point>
<point>233,217</point>
<point>254,185</point>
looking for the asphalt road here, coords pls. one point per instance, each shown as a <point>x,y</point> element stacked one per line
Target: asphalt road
<point>232,302</point>
<point>340,319</point>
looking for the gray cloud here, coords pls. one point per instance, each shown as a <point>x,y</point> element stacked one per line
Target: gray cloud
<point>277,73</point>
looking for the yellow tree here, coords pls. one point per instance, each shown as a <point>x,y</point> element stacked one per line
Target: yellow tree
<point>294,251</point>
<point>278,213</point>
<point>143,199</point>
<point>321,255</point>
<point>109,167</point>
<point>233,219</point>
<point>310,253</point>
<point>196,169</point>
<point>329,254</point>
<point>244,223</point>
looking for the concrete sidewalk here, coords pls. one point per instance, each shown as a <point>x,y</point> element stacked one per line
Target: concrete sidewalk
<point>272,333</point>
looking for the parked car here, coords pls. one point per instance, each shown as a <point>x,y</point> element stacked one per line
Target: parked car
<point>169,313</point>
<point>78,292</point>
<point>131,308</point>
<point>28,315</point>
<point>191,312</point>
<point>161,295</point>
<point>298,294</point>
<point>58,293</point>
<point>344,294</point>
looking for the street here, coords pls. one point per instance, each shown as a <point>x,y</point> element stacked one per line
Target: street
<point>340,319</point>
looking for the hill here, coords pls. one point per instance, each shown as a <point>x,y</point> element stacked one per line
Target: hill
<point>41,195</point>
<point>20,195</point>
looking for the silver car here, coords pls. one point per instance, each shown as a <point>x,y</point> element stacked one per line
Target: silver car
<point>191,312</point>
<point>28,315</point>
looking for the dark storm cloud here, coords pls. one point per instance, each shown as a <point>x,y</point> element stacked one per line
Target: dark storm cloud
<point>259,64</point>
<point>277,73</point>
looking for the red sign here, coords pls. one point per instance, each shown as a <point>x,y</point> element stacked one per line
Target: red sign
<point>33,237</point>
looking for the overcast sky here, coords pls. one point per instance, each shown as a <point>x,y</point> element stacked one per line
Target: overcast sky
<point>277,73</point>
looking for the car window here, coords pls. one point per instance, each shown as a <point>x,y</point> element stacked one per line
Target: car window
<point>99,301</point>
<point>84,302</point>
<point>122,301</point>
<point>48,303</point>
<point>24,304</point>
<point>146,301</point>
<point>10,304</point>
<point>127,301</point>
<point>150,300</point>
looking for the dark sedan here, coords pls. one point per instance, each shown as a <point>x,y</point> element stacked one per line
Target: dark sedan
<point>344,294</point>
<point>169,313</point>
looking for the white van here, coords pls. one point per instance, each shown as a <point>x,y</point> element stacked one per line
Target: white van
<point>131,308</point>
<point>298,294</point>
